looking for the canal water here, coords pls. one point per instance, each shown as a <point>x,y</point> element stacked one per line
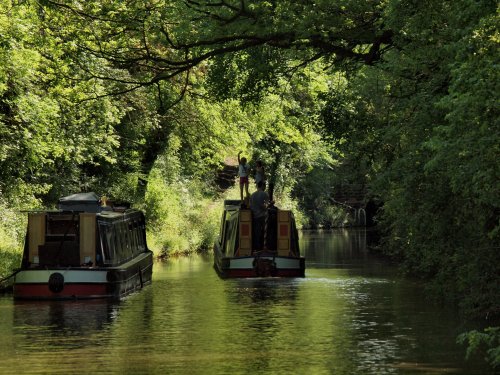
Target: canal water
<point>351,314</point>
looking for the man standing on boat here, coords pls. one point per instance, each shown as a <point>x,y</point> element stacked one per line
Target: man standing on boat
<point>258,204</point>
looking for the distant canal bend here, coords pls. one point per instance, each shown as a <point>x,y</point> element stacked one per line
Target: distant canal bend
<point>351,314</point>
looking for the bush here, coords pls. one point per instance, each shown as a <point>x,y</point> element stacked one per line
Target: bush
<point>180,213</point>
<point>486,343</point>
<point>12,230</point>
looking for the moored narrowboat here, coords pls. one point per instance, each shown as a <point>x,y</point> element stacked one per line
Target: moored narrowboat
<point>242,251</point>
<point>84,250</point>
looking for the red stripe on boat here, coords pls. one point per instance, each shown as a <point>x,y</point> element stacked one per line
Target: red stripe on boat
<point>93,290</point>
<point>251,273</point>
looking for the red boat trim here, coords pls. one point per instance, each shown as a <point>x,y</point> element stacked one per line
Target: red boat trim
<point>70,291</point>
<point>224,269</point>
<point>241,273</point>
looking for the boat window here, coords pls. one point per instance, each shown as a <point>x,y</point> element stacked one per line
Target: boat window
<point>222,229</point>
<point>132,235</point>
<point>136,235</point>
<point>61,227</point>
<point>122,238</point>
<point>141,235</point>
<point>231,232</point>
<point>60,224</point>
<point>128,240</point>
<point>60,245</point>
<point>100,257</point>
<point>118,243</point>
<point>106,234</point>
<point>115,245</point>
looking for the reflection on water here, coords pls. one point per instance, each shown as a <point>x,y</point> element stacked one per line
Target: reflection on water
<point>351,314</point>
<point>341,248</point>
<point>61,323</point>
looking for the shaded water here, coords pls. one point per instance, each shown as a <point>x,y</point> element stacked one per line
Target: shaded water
<point>351,314</point>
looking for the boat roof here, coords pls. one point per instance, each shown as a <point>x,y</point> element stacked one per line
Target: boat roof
<point>90,197</point>
<point>83,202</point>
<point>232,204</point>
<point>86,202</point>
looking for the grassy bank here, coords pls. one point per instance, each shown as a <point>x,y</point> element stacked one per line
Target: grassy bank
<point>181,218</point>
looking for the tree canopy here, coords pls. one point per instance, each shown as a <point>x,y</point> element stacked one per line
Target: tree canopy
<point>157,41</point>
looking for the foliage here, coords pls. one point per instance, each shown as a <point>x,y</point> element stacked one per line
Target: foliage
<point>180,218</point>
<point>439,163</point>
<point>208,134</point>
<point>420,130</point>
<point>165,40</point>
<point>12,226</point>
<point>42,122</point>
<point>486,343</point>
<point>314,195</point>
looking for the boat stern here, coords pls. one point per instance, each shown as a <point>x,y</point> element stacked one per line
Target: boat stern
<point>61,284</point>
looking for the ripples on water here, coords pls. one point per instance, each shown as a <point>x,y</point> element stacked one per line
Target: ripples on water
<point>351,314</point>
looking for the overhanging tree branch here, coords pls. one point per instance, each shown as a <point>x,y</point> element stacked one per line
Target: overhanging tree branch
<point>153,51</point>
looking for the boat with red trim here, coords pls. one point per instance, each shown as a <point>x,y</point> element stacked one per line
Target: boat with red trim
<point>242,251</point>
<point>85,249</point>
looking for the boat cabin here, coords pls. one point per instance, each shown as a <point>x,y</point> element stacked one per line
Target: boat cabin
<point>83,233</point>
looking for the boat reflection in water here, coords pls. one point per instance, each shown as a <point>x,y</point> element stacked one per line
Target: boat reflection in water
<point>242,251</point>
<point>66,323</point>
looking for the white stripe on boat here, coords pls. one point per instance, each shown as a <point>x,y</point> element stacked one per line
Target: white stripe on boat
<point>70,276</point>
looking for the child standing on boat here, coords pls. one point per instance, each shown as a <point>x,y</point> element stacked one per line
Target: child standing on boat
<point>243,172</point>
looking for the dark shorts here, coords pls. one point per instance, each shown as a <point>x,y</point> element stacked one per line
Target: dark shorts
<point>243,180</point>
<point>258,232</point>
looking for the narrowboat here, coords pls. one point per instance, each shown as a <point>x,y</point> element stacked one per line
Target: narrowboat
<point>84,249</point>
<point>242,251</point>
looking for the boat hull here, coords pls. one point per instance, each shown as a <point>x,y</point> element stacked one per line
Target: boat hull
<point>259,265</point>
<point>84,282</point>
